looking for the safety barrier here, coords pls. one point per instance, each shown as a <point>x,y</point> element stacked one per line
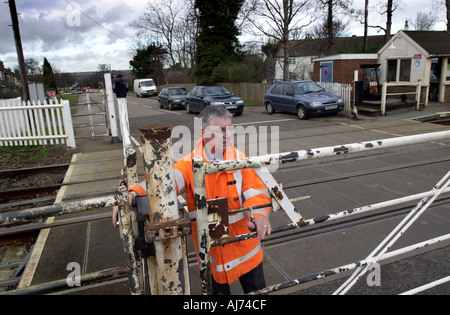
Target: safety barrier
<point>201,169</point>
<point>33,123</point>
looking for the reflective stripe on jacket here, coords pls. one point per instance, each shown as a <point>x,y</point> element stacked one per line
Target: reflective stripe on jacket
<point>243,188</point>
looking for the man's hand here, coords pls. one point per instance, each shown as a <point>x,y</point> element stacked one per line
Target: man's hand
<point>262,227</point>
<point>115,215</point>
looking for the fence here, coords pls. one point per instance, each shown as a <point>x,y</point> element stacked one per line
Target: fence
<point>257,91</point>
<point>248,91</point>
<point>31,123</point>
<point>342,90</point>
<point>417,92</point>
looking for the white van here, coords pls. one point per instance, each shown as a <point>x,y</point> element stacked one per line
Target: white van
<point>144,87</point>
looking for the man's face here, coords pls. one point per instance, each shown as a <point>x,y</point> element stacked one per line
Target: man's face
<point>218,135</point>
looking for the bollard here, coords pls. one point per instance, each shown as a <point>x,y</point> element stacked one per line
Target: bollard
<point>170,247</point>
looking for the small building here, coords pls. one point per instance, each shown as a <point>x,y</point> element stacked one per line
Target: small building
<point>7,80</point>
<point>303,53</point>
<point>413,56</point>
<point>341,68</point>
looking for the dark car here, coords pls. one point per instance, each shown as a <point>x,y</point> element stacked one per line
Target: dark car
<point>201,96</point>
<point>172,97</point>
<point>304,98</point>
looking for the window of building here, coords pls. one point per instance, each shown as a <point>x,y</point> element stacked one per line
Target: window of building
<point>405,70</point>
<point>448,69</point>
<point>392,70</point>
<point>399,70</point>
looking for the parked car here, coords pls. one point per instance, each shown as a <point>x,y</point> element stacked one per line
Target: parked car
<point>304,98</point>
<point>172,97</point>
<point>144,87</point>
<point>201,96</point>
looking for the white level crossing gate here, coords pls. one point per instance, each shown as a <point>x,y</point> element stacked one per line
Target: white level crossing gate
<point>35,123</point>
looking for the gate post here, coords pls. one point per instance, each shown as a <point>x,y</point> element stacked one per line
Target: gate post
<point>111,109</point>
<point>204,239</point>
<point>164,229</point>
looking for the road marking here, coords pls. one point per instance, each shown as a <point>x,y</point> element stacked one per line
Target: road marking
<point>262,122</point>
<point>374,130</point>
<point>161,110</point>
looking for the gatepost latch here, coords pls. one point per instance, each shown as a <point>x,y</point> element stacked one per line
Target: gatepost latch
<point>218,218</point>
<point>161,231</point>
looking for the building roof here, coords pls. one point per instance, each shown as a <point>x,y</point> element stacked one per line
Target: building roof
<point>321,47</point>
<point>348,57</point>
<point>434,42</point>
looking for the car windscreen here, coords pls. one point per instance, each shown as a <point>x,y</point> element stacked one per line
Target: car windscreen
<point>306,87</point>
<point>147,83</point>
<point>216,91</point>
<point>177,92</point>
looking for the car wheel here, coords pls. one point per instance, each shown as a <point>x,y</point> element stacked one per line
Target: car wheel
<point>188,108</point>
<point>160,104</point>
<point>301,113</point>
<point>170,106</point>
<point>269,108</point>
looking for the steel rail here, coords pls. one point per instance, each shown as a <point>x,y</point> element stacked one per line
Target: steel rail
<point>58,285</point>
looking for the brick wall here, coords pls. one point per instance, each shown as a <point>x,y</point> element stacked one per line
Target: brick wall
<point>343,70</point>
<point>447,94</point>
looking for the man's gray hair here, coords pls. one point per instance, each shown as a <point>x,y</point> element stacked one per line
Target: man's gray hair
<point>210,112</point>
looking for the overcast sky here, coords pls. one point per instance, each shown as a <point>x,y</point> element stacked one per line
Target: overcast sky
<point>74,42</point>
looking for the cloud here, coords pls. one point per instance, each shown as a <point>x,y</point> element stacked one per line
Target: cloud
<point>100,34</point>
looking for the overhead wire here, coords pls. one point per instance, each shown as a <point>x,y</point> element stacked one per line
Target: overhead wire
<point>96,22</point>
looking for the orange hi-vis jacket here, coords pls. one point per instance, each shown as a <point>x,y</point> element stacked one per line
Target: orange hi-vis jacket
<point>243,188</point>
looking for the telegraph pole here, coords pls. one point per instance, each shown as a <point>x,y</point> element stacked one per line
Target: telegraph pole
<point>366,13</point>
<point>18,40</point>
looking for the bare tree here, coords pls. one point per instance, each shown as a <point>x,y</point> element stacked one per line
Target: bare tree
<point>170,23</point>
<point>276,19</point>
<point>424,21</point>
<point>331,26</point>
<point>447,5</point>
<point>385,7</point>
<point>440,5</point>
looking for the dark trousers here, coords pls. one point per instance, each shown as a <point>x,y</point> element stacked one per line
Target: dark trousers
<point>251,281</point>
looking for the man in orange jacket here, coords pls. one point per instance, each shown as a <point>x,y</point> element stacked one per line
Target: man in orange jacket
<point>243,188</point>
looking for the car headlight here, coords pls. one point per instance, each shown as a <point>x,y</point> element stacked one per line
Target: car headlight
<point>340,100</point>
<point>315,103</point>
<point>241,102</point>
<point>216,103</point>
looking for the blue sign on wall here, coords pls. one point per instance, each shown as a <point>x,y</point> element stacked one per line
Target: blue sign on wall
<point>326,72</point>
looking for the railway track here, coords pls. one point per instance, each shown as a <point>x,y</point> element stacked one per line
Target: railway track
<point>314,231</point>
